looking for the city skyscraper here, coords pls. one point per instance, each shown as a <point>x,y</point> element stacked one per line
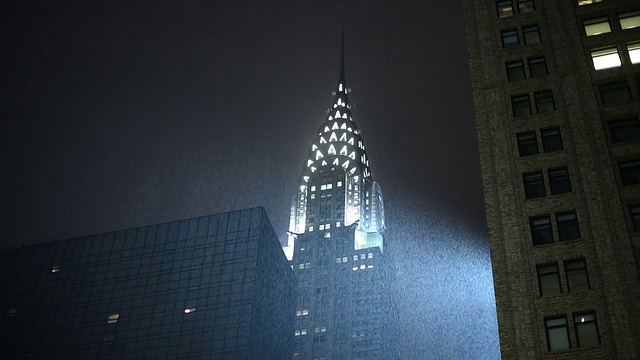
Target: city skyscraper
<point>336,245</point>
<point>556,90</point>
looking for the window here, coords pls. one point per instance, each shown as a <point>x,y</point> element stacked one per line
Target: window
<point>624,130</point>
<point>635,217</point>
<point>557,333</point>
<point>629,20</point>
<point>630,172</point>
<point>55,269</point>
<point>525,6</point>
<point>538,66</point>
<point>596,26</point>
<point>510,38</point>
<point>615,92</point>
<point>559,181</point>
<point>568,228</point>
<point>531,34</point>
<point>605,58</point>
<point>587,2</point>
<point>541,230</point>
<point>549,279</point>
<point>634,53</point>
<point>544,102</point>
<point>505,9</point>
<point>515,70</point>
<point>527,144</point>
<point>551,140</point>
<point>521,105</point>
<point>586,330</point>
<point>533,185</point>
<point>113,318</point>
<point>577,277</point>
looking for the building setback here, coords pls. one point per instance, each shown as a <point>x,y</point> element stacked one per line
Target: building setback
<point>212,287</point>
<point>556,89</point>
<point>336,246</point>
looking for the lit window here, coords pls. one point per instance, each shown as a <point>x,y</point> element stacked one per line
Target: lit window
<point>12,312</point>
<point>355,268</point>
<point>559,181</point>
<point>303,332</point>
<point>629,20</point>
<point>510,38</point>
<point>313,196</point>
<point>630,172</point>
<point>541,230</point>
<point>310,228</point>
<point>544,102</point>
<point>586,330</point>
<point>597,26</point>
<point>55,269</point>
<point>355,257</point>
<point>525,6</point>
<point>113,318</point>
<point>307,265</point>
<point>339,184</point>
<point>329,186</point>
<point>321,227</point>
<point>363,266</point>
<point>521,105</point>
<point>606,58</point>
<point>305,312</point>
<point>557,333</point>
<point>533,185</point>
<point>624,130</point>
<point>313,188</point>
<point>616,92</point>
<point>297,333</point>
<point>577,277</point>
<point>568,228</point>
<point>370,256</point>
<point>301,266</point>
<point>531,34</point>
<point>634,53</point>
<point>505,9</point>
<point>587,2</point>
<point>515,70</point>
<point>363,256</point>
<point>551,140</point>
<point>538,66</point>
<point>549,279</point>
<point>189,310</point>
<point>337,223</point>
<point>527,144</point>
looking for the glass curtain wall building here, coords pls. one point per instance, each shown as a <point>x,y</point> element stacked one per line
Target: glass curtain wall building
<point>336,245</point>
<point>556,89</point>
<point>212,287</point>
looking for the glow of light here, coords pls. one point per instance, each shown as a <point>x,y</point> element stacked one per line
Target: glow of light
<point>189,310</point>
<point>606,59</point>
<point>634,53</point>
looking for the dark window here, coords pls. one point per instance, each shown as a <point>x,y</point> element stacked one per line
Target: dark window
<point>630,172</point>
<point>551,140</point>
<point>624,130</point>
<point>568,228</point>
<point>533,185</point>
<point>549,279</point>
<point>615,92</point>
<point>544,102</point>
<point>525,6</point>
<point>557,333</point>
<point>510,38</point>
<point>541,230</point>
<point>559,181</point>
<point>538,66</point>
<point>521,105</point>
<point>635,217</point>
<point>586,330</point>
<point>531,34</point>
<point>505,9</point>
<point>577,276</point>
<point>515,70</point>
<point>527,144</point>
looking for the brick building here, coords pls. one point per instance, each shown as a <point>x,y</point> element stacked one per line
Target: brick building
<point>556,90</point>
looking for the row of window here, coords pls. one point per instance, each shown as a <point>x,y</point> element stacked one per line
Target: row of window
<point>506,8</point>
<point>528,141</point>
<point>609,57</point>
<point>566,223</point>
<point>575,272</point>
<point>534,184</point>
<point>516,69</point>
<point>543,100</point>
<point>530,34</point>
<point>586,331</point>
<point>601,25</point>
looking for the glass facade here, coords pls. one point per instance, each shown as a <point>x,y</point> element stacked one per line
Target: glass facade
<point>210,287</point>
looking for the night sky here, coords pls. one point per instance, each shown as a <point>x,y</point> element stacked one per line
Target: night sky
<point>125,114</point>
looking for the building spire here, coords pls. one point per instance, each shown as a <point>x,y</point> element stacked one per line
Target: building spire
<point>342,57</point>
